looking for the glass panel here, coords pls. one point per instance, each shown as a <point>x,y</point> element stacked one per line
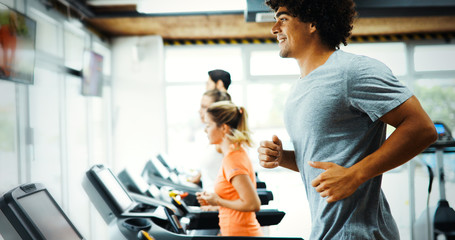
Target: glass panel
<point>391,54</point>
<point>9,3</point>
<point>270,63</point>
<point>191,64</point>
<point>74,49</point>
<point>47,32</point>
<point>185,129</point>
<point>8,137</point>
<point>77,154</point>
<point>437,97</point>
<point>45,121</point>
<point>265,112</point>
<point>266,104</point>
<point>99,117</point>
<point>434,58</point>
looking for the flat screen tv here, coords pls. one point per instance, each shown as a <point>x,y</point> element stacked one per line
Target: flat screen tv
<point>17,46</point>
<point>92,74</point>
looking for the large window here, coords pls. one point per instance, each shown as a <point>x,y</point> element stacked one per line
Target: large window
<point>434,57</point>
<point>186,73</point>
<point>391,54</point>
<point>438,99</point>
<point>192,64</point>
<point>434,81</point>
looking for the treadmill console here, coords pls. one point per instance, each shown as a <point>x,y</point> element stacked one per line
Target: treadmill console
<point>444,133</point>
<point>33,214</point>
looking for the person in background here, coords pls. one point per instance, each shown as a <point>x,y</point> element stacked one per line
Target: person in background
<point>211,160</point>
<point>235,188</point>
<point>336,116</point>
<point>218,79</point>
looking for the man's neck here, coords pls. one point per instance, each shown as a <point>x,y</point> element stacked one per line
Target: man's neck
<point>312,58</point>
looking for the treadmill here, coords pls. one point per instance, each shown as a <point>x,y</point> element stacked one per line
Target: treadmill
<point>158,172</point>
<point>144,218</point>
<point>139,190</point>
<point>29,212</point>
<point>441,220</point>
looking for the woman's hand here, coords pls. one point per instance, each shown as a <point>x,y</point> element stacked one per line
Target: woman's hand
<point>207,198</point>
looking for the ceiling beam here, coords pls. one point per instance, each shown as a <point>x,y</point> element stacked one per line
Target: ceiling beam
<point>234,26</point>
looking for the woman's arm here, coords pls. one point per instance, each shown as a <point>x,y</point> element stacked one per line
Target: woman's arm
<point>248,198</point>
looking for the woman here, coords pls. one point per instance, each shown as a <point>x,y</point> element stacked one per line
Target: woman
<point>211,159</point>
<point>235,191</point>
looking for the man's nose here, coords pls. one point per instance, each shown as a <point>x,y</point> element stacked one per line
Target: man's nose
<point>275,28</point>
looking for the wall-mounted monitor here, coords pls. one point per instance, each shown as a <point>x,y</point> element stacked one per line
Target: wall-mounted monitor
<point>92,74</point>
<point>17,46</point>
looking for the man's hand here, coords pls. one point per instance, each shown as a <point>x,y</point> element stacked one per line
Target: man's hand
<point>335,183</point>
<point>270,153</point>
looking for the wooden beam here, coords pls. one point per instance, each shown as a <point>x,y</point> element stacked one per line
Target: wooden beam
<point>234,26</point>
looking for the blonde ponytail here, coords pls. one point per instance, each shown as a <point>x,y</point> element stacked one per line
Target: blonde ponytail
<point>226,112</point>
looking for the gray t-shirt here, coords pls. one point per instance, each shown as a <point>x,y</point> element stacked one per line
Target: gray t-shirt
<point>332,115</point>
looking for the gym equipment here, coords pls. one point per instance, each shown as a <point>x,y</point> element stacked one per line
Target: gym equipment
<point>439,221</point>
<point>29,212</point>
<point>159,173</point>
<point>121,212</point>
<point>137,188</point>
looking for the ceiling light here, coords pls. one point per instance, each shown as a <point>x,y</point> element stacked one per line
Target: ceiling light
<point>193,6</point>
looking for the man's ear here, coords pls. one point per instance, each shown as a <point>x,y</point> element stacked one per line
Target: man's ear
<point>220,85</point>
<point>313,28</point>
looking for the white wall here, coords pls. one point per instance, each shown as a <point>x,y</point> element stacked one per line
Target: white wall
<point>49,132</point>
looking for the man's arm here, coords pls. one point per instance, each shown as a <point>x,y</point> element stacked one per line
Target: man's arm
<point>271,155</point>
<point>414,132</point>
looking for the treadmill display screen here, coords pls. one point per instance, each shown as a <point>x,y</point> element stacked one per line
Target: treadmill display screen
<point>160,167</point>
<point>48,217</point>
<point>440,128</point>
<point>115,189</point>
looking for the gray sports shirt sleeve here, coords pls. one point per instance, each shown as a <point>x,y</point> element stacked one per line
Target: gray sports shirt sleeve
<point>371,93</point>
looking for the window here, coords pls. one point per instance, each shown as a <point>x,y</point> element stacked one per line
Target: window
<point>270,63</point>
<point>74,47</point>
<point>391,54</point>
<point>186,73</point>
<point>191,64</point>
<point>46,29</point>
<point>45,120</point>
<point>435,57</point>
<point>437,97</point>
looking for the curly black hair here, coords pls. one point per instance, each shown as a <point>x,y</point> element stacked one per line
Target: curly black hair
<point>333,18</point>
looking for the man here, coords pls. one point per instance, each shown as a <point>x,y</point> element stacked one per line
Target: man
<point>218,79</point>
<point>336,116</point>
